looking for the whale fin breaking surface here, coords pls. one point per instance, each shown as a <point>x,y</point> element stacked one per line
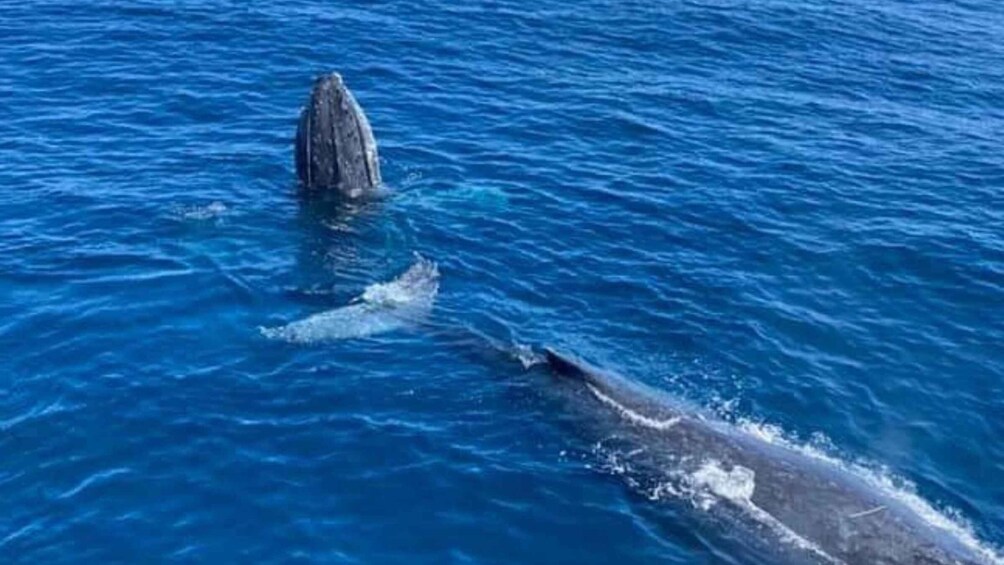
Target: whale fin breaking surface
<point>382,307</point>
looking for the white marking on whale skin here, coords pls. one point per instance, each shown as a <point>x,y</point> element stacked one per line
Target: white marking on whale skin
<point>737,486</point>
<point>947,521</point>
<point>900,490</point>
<point>631,415</point>
<point>875,510</point>
<point>382,307</point>
<point>372,163</point>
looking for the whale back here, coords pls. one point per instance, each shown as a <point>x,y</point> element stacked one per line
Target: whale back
<point>821,511</point>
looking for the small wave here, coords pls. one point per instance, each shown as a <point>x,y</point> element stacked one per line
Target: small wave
<point>482,197</point>
<point>382,307</point>
<point>96,478</point>
<point>211,211</point>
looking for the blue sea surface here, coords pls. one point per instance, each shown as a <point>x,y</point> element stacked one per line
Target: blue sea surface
<point>788,213</point>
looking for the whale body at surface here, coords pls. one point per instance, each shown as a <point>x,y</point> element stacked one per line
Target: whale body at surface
<point>820,510</point>
<point>335,149</point>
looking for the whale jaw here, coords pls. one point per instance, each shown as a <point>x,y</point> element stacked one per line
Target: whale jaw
<point>335,148</point>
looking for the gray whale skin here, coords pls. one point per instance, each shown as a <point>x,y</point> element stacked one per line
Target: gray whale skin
<point>828,513</point>
<point>335,149</point>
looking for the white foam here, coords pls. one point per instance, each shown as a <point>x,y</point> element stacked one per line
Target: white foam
<point>711,483</point>
<point>482,197</point>
<point>631,415</point>
<point>209,211</point>
<point>948,521</point>
<point>667,488</point>
<point>526,355</point>
<point>381,308</point>
<point>737,486</point>
<point>419,283</point>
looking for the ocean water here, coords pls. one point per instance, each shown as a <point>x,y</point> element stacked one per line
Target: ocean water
<point>789,213</point>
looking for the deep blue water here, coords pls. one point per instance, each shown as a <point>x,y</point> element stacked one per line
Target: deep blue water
<point>788,212</point>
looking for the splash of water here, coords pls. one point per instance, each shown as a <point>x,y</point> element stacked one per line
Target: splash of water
<point>948,521</point>
<point>737,486</point>
<point>211,211</point>
<point>632,416</point>
<point>710,483</point>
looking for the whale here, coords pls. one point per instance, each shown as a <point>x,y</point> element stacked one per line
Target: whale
<point>335,151</point>
<point>803,508</point>
<point>382,307</point>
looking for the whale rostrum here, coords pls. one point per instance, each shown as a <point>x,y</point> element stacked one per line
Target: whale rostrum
<point>335,148</point>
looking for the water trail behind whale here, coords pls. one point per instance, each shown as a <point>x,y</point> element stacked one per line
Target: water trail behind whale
<point>382,307</point>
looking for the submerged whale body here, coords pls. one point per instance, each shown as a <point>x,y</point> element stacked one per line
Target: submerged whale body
<point>382,307</point>
<point>335,149</point>
<point>821,511</point>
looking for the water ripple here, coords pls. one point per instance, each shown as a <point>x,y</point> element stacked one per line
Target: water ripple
<point>789,209</point>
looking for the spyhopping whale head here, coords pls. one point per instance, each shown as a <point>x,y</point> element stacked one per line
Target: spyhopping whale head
<point>335,149</point>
